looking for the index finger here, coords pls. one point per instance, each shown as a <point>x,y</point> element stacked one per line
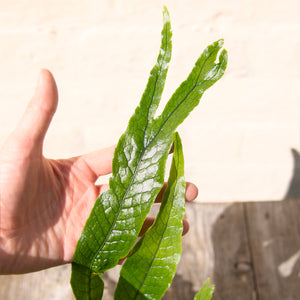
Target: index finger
<point>100,162</point>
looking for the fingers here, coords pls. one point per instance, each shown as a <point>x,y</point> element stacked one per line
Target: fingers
<point>100,162</point>
<point>191,192</point>
<point>186,226</point>
<point>172,149</point>
<point>40,110</point>
<point>150,220</point>
<point>148,223</point>
<point>190,195</point>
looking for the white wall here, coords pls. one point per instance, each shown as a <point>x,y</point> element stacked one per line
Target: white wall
<point>238,141</point>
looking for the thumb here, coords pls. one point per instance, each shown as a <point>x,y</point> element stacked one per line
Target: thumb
<point>39,112</point>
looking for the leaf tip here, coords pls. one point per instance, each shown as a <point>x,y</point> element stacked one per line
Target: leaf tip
<point>223,59</point>
<point>166,15</point>
<point>220,42</point>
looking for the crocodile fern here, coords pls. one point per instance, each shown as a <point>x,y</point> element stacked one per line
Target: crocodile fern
<point>138,169</point>
<point>149,270</point>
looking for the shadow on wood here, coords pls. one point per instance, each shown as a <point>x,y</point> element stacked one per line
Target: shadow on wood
<point>257,251</point>
<point>255,248</point>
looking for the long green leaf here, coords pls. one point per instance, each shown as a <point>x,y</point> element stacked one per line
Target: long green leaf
<point>149,270</point>
<point>139,160</point>
<point>137,177</point>
<point>204,74</point>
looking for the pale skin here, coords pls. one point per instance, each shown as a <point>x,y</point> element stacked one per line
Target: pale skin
<point>44,203</point>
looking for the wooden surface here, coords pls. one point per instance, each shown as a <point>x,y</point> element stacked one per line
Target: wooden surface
<point>255,249</point>
<point>249,250</point>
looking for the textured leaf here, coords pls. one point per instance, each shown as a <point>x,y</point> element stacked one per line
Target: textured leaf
<point>204,74</point>
<point>86,284</point>
<point>149,270</point>
<point>138,173</point>
<point>206,292</point>
<point>139,162</point>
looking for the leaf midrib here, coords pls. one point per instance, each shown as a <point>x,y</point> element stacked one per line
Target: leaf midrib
<point>192,89</point>
<point>141,157</point>
<point>160,70</point>
<point>136,170</point>
<point>158,246</point>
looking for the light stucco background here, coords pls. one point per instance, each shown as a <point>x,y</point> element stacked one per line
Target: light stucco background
<point>237,142</point>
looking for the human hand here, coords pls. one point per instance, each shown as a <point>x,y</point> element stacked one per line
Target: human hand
<point>45,202</point>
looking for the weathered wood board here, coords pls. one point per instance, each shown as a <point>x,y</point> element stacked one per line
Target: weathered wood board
<point>249,250</point>
<point>274,235</point>
<point>217,247</point>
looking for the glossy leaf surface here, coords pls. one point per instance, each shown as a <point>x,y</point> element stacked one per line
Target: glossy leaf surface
<point>86,284</point>
<point>139,162</point>
<point>138,174</point>
<point>149,270</point>
<point>204,74</point>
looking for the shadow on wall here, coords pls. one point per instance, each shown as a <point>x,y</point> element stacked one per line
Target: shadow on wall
<point>257,247</point>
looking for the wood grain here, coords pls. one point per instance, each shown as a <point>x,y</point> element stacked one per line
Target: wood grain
<point>251,251</point>
<point>274,232</point>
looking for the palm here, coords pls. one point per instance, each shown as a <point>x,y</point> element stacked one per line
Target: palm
<point>45,203</point>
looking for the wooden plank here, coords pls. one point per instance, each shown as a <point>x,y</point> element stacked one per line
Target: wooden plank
<point>233,272</point>
<point>274,231</point>
<point>197,262</point>
<point>48,284</point>
<point>216,247</point>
